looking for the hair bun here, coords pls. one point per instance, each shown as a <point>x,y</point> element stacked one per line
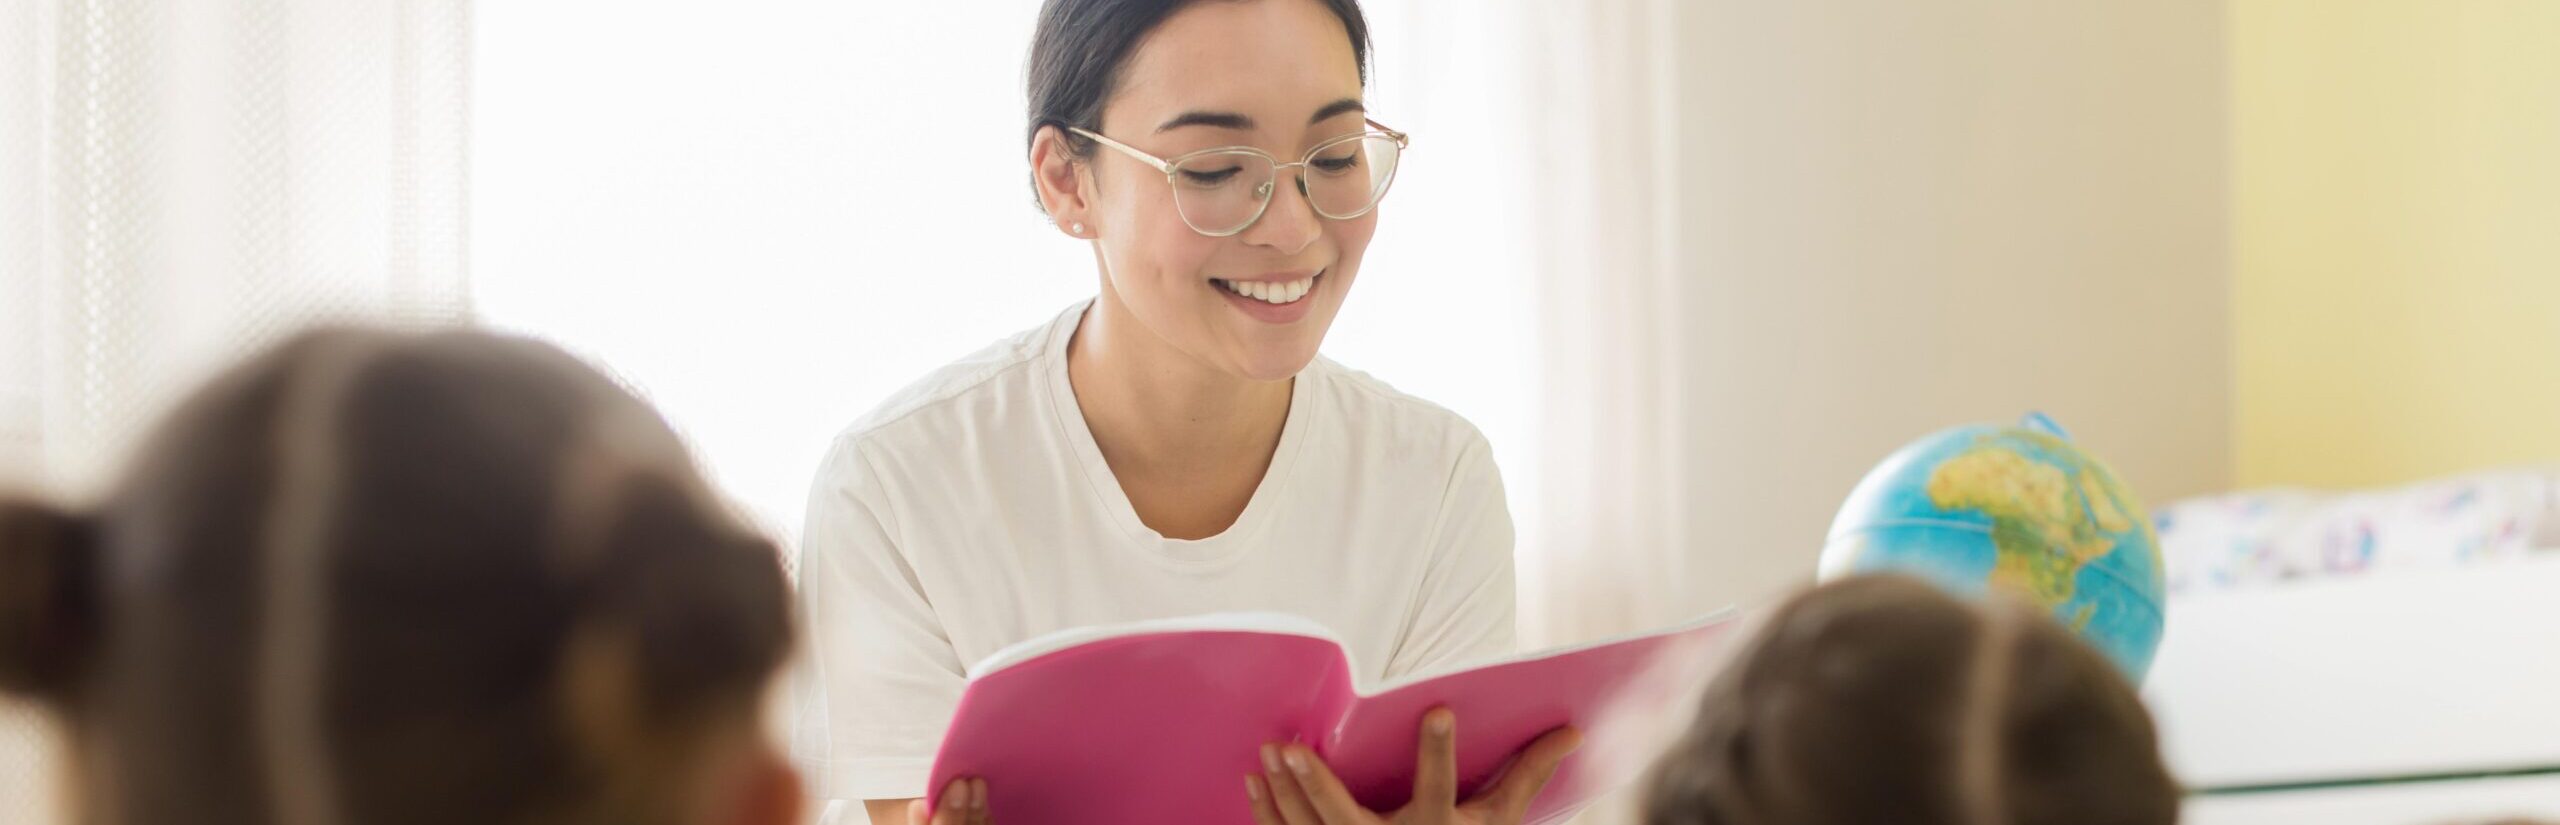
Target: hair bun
<point>46,597</point>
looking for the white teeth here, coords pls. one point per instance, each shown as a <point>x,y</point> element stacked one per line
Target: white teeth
<point>1272,292</point>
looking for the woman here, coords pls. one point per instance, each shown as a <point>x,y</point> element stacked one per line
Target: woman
<point>1175,445</point>
<point>381,579</point>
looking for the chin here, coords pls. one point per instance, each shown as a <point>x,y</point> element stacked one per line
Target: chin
<point>1275,362</point>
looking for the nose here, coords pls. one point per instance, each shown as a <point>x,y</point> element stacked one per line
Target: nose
<point>1290,222</point>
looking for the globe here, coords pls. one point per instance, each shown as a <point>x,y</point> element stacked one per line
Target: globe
<point>2018,510</point>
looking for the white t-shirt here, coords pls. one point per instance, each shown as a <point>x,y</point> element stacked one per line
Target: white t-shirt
<point>973,510</point>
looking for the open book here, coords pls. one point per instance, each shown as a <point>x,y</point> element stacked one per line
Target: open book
<point>1159,723</point>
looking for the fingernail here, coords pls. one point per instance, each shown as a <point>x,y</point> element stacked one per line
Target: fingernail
<point>978,794</point>
<point>1442,721</point>
<point>1253,788</point>
<point>1297,763</point>
<point>1270,759</point>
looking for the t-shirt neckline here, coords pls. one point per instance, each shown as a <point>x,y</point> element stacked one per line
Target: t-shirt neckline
<point>1229,544</point>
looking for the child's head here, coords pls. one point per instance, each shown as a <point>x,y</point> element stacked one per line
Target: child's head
<point>370,578</point>
<point>1880,699</point>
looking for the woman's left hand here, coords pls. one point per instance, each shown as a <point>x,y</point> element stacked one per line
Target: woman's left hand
<point>1298,789</point>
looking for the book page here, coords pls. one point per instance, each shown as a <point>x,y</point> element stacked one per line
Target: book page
<point>1250,622</point>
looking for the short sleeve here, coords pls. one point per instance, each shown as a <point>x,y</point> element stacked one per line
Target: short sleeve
<point>1467,608</point>
<point>881,679</point>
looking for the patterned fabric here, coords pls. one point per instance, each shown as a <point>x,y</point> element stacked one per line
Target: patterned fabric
<point>2256,537</point>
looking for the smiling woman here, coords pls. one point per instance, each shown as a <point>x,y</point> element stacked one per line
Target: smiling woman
<point>1175,444</point>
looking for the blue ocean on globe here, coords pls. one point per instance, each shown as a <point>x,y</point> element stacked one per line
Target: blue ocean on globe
<point>2014,509</point>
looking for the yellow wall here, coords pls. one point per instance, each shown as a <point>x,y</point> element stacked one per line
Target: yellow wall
<point>2396,199</point>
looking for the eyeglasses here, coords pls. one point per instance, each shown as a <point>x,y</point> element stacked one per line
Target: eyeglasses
<point>1222,191</point>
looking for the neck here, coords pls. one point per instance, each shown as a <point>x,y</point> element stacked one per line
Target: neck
<point>1147,401</point>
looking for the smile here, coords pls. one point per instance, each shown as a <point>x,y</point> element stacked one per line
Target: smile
<point>1271,292</point>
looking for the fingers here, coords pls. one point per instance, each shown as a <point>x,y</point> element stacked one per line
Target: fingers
<point>1287,796</point>
<point>954,807</point>
<point>1529,774</point>
<point>963,802</point>
<point>1266,811</point>
<point>1435,770</point>
<point>1330,799</point>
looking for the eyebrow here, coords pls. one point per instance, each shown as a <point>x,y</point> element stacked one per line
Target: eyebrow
<point>1337,109</point>
<point>1241,123</point>
<point>1218,120</point>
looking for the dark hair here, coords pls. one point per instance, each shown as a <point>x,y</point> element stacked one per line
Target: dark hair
<point>395,579</point>
<point>1882,699</point>
<point>1080,45</point>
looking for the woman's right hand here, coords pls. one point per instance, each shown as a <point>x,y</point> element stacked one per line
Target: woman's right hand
<point>964,802</point>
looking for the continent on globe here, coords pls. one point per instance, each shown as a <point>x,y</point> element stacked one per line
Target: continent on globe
<point>2046,523</point>
<point>2019,510</point>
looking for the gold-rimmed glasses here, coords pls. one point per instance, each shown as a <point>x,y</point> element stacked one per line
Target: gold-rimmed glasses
<point>1223,191</point>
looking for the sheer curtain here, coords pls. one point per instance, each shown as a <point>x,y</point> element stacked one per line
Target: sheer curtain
<point>181,181</point>
<point>1610,549</point>
<point>1528,278</point>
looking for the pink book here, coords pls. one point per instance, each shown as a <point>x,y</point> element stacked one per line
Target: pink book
<point>1159,723</point>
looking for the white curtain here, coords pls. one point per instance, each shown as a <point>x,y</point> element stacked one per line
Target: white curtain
<point>1607,552</point>
<point>179,180</point>
<point>1542,177</point>
<point>182,181</point>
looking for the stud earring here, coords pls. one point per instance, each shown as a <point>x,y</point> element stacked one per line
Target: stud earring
<point>1076,229</point>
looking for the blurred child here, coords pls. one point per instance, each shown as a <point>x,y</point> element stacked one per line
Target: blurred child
<point>1879,699</point>
<point>371,578</point>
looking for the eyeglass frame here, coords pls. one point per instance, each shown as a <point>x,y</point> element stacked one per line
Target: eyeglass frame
<point>1168,166</point>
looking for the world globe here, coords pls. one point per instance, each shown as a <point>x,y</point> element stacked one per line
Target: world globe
<point>2017,510</point>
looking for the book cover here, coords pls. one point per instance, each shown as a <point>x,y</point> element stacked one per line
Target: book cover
<point>1158,723</point>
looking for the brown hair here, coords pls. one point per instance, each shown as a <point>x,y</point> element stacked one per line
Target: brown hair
<point>1881,699</point>
<point>380,578</point>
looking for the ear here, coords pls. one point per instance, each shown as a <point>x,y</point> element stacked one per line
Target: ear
<point>768,792</point>
<point>1063,186</point>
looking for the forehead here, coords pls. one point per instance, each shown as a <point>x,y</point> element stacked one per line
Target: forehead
<point>1274,60</point>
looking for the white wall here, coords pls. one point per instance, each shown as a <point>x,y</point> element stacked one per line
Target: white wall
<point>1901,216</point>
